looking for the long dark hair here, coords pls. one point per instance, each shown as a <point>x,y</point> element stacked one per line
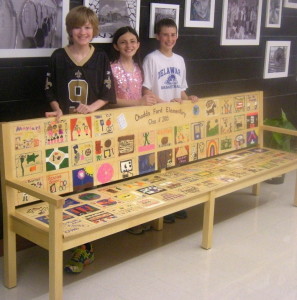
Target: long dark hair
<point>115,55</point>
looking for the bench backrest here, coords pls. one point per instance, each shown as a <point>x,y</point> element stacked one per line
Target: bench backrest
<point>82,151</point>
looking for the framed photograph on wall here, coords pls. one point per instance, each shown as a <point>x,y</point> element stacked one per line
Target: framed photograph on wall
<point>290,3</point>
<point>241,22</point>
<point>199,13</point>
<point>32,28</point>
<point>161,11</point>
<point>274,13</point>
<point>114,14</point>
<point>277,57</point>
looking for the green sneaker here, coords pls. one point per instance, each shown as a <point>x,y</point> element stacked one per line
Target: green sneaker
<point>80,258</point>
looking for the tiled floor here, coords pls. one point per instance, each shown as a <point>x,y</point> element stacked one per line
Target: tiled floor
<point>254,256</point>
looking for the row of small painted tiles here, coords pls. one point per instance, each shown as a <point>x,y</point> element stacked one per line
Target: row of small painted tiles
<point>33,136</point>
<point>28,136</point>
<point>82,154</point>
<point>78,128</point>
<point>55,158</point>
<point>61,178</point>
<point>107,204</point>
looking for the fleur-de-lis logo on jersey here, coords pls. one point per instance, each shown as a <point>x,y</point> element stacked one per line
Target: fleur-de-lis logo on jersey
<point>107,81</point>
<point>48,83</point>
<point>78,74</point>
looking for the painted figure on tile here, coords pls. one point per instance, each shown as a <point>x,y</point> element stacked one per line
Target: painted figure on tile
<point>126,168</point>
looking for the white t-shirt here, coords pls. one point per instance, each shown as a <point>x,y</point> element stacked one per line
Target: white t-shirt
<point>165,76</point>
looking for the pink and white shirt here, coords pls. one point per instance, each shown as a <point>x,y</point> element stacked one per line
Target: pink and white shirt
<point>128,85</point>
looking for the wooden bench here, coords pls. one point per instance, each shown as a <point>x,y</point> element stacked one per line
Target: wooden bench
<point>89,176</point>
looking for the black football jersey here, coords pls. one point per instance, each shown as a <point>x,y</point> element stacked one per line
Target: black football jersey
<point>71,83</point>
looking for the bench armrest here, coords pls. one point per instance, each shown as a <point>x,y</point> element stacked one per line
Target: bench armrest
<point>279,130</point>
<point>35,192</point>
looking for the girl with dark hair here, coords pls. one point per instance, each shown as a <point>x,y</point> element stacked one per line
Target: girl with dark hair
<point>128,78</point>
<point>127,69</point>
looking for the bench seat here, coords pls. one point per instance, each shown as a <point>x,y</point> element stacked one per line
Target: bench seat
<point>105,210</point>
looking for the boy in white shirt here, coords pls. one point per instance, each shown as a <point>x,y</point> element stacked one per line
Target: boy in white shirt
<point>165,76</point>
<point>165,71</point>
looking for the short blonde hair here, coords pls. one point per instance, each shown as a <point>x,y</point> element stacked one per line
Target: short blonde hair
<point>78,16</point>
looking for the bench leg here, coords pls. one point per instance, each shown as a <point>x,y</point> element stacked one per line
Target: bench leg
<point>10,268</point>
<point>208,219</point>
<point>55,275</point>
<point>55,254</point>
<point>295,196</point>
<point>158,224</point>
<point>9,240</point>
<point>256,189</point>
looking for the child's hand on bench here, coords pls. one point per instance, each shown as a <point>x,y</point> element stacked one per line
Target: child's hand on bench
<point>193,98</point>
<point>179,100</point>
<point>57,114</point>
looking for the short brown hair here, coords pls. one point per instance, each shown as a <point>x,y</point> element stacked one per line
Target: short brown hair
<point>78,16</point>
<point>167,22</point>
